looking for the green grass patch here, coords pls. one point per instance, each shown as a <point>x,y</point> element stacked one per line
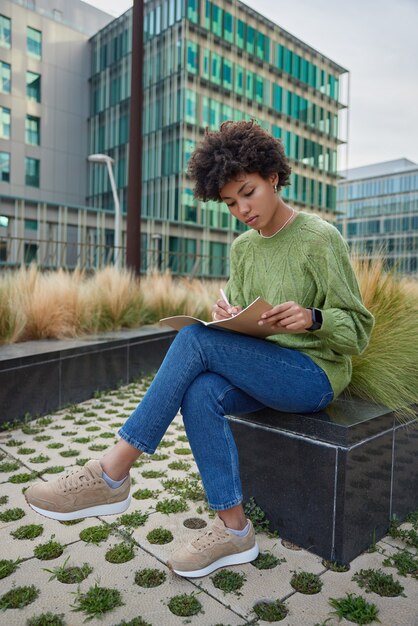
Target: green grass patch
<point>8,567</point>
<point>70,575</point>
<point>405,563</point>
<point>107,435</point>
<point>334,566</point>
<point>160,536</point>
<point>354,609</point>
<point>120,553</point>
<point>31,531</point>
<point>153,474</point>
<point>266,560</point>
<point>271,611</point>
<point>9,466</point>
<point>41,458</point>
<point>185,605</point>
<point>378,582</point>
<point>145,494</point>
<point>95,534</point>
<point>98,447</point>
<point>81,440</point>
<point>132,520</point>
<point>4,500</point>
<point>257,517</point>
<point>228,581</point>
<point>19,597</point>
<point>306,582</point>
<point>136,621</point>
<point>47,619</point>
<point>49,550</point>
<point>82,461</point>
<point>97,601</point>
<point>179,465</point>
<point>44,421</point>
<point>26,450</point>
<point>42,437</point>
<point>182,451</point>
<point>69,453</point>
<point>24,477</point>
<point>92,429</point>
<point>55,446</point>
<point>191,489</point>
<point>69,433</point>
<point>14,443</point>
<point>150,577</point>
<point>54,469</point>
<point>172,505</point>
<point>158,457</point>
<point>12,515</point>
<point>166,443</point>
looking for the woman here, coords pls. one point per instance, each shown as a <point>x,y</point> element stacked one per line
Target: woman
<point>300,264</point>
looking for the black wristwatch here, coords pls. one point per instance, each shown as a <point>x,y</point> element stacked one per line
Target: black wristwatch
<point>317,318</point>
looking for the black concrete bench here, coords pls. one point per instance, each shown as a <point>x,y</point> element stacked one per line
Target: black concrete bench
<point>330,482</point>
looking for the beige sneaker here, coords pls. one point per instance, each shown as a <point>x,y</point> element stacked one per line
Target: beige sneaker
<point>218,547</point>
<point>81,493</point>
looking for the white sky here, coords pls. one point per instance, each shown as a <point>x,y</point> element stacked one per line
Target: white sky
<point>376,41</point>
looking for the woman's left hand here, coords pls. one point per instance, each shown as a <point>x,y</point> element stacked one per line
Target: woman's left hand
<point>289,315</point>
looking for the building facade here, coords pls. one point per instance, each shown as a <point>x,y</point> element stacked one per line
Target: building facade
<point>378,207</point>
<point>65,93</point>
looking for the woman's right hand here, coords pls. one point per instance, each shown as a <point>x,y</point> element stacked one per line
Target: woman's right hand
<point>222,311</point>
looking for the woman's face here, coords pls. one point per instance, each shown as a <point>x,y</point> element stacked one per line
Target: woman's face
<point>253,201</point>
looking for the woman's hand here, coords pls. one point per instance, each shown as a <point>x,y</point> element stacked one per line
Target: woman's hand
<point>222,311</point>
<point>289,315</point>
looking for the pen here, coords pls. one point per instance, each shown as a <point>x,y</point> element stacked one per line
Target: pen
<point>224,298</point>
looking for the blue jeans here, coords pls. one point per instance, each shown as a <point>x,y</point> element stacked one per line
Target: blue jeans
<point>211,373</point>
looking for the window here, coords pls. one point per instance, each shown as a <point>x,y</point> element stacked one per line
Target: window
<point>32,167</point>
<point>192,57</point>
<point>217,20</point>
<point>227,74</point>
<point>5,77</point>
<point>250,39</point>
<point>33,130</point>
<point>240,34</point>
<point>34,42</point>
<point>192,8</point>
<point>4,167</point>
<point>228,27</point>
<point>5,31</point>
<point>4,123</point>
<point>33,86</point>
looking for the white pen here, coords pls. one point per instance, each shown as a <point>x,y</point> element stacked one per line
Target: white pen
<point>224,298</point>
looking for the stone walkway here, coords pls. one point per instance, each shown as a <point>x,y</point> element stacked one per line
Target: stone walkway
<point>168,499</point>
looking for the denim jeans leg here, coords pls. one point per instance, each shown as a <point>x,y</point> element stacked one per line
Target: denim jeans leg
<point>206,402</point>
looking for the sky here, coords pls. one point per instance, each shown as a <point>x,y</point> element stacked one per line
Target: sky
<point>376,41</point>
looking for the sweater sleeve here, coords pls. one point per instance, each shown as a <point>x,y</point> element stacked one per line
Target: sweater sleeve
<point>347,324</point>
<point>233,289</point>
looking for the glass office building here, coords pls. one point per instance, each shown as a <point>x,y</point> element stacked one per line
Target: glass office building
<point>207,62</point>
<point>379,212</point>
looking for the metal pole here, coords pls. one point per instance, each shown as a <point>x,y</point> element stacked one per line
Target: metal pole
<point>117,243</point>
<point>133,222</point>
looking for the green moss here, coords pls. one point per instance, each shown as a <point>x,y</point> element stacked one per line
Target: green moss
<point>306,582</point>
<point>14,443</point>
<point>107,435</point>
<point>24,477</point>
<point>26,450</point>
<point>69,453</point>
<point>55,445</point>
<point>145,494</point>
<point>334,566</point>
<point>54,469</point>
<point>172,505</point>
<point>182,451</point>
<point>185,605</point>
<point>179,465</point>
<point>133,520</point>
<point>70,575</point>
<point>160,536</point>
<point>266,560</point>
<point>8,567</point>
<point>191,489</point>
<point>97,601</point>
<point>95,534</point>
<point>11,515</point>
<point>120,553</point>
<point>69,433</point>
<point>19,597</point>
<point>166,443</point>
<point>405,562</point>
<point>81,440</point>
<point>47,619</point>
<point>355,609</point>
<point>44,421</point>
<point>378,582</point>
<point>30,430</point>
<point>89,414</point>
<point>42,438</point>
<point>4,500</point>
<point>48,551</point>
<point>9,466</point>
<point>271,611</point>
<point>31,531</point>
<point>41,458</point>
<point>92,429</point>
<point>153,474</point>
<point>159,457</point>
<point>98,447</point>
<point>228,581</point>
<point>150,577</point>
<point>183,438</point>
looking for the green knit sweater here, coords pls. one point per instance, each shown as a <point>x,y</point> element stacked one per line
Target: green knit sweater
<point>307,262</point>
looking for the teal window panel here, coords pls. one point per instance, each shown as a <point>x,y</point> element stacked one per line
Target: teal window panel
<point>171,12</point>
<point>115,90</point>
<point>336,88</point>
<point>278,52</point>
<point>304,70</point>
<point>277,98</point>
<point>179,10</point>
<point>249,85</point>
<point>188,148</point>
<point>296,66</point>
<point>239,79</point>
<point>228,27</point>
<point>5,31</point>
<point>33,130</point>
<point>250,43</point>
<point>287,142</point>
<point>5,122</point>
<point>205,111</point>
<point>206,64</point>
<point>240,34</point>
<point>322,78</point>
<point>227,74</point>
<point>33,86</point>
<point>260,46</point>
<point>217,258</point>
<point>312,75</point>
<point>4,221</point>
<point>192,57</point>
<point>276,131</point>
<point>303,109</point>
<point>287,60</point>
<point>208,14</point>
<point>34,42</point>
<point>191,106</point>
<point>295,106</point>
<point>217,20</point>
<point>289,102</point>
<point>31,224</point>
<point>5,77</point>
<point>259,89</point>
<point>216,68</point>
<point>32,172</point>
<point>192,11</point>
<point>158,19</point>
<point>215,114</point>
<point>227,113</point>
<point>5,167</point>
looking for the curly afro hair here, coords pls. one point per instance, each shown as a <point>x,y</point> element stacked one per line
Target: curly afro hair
<point>236,148</point>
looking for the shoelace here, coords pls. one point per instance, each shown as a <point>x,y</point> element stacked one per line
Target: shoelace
<point>209,538</point>
<point>76,478</point>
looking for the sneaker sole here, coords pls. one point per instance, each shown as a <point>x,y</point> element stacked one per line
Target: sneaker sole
<point>232,559</point>
<point>93,511</point>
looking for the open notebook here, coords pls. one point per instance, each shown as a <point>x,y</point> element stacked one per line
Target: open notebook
<point>244,322</point>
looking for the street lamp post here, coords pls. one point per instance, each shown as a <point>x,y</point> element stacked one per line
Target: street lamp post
<point>108,161</point>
